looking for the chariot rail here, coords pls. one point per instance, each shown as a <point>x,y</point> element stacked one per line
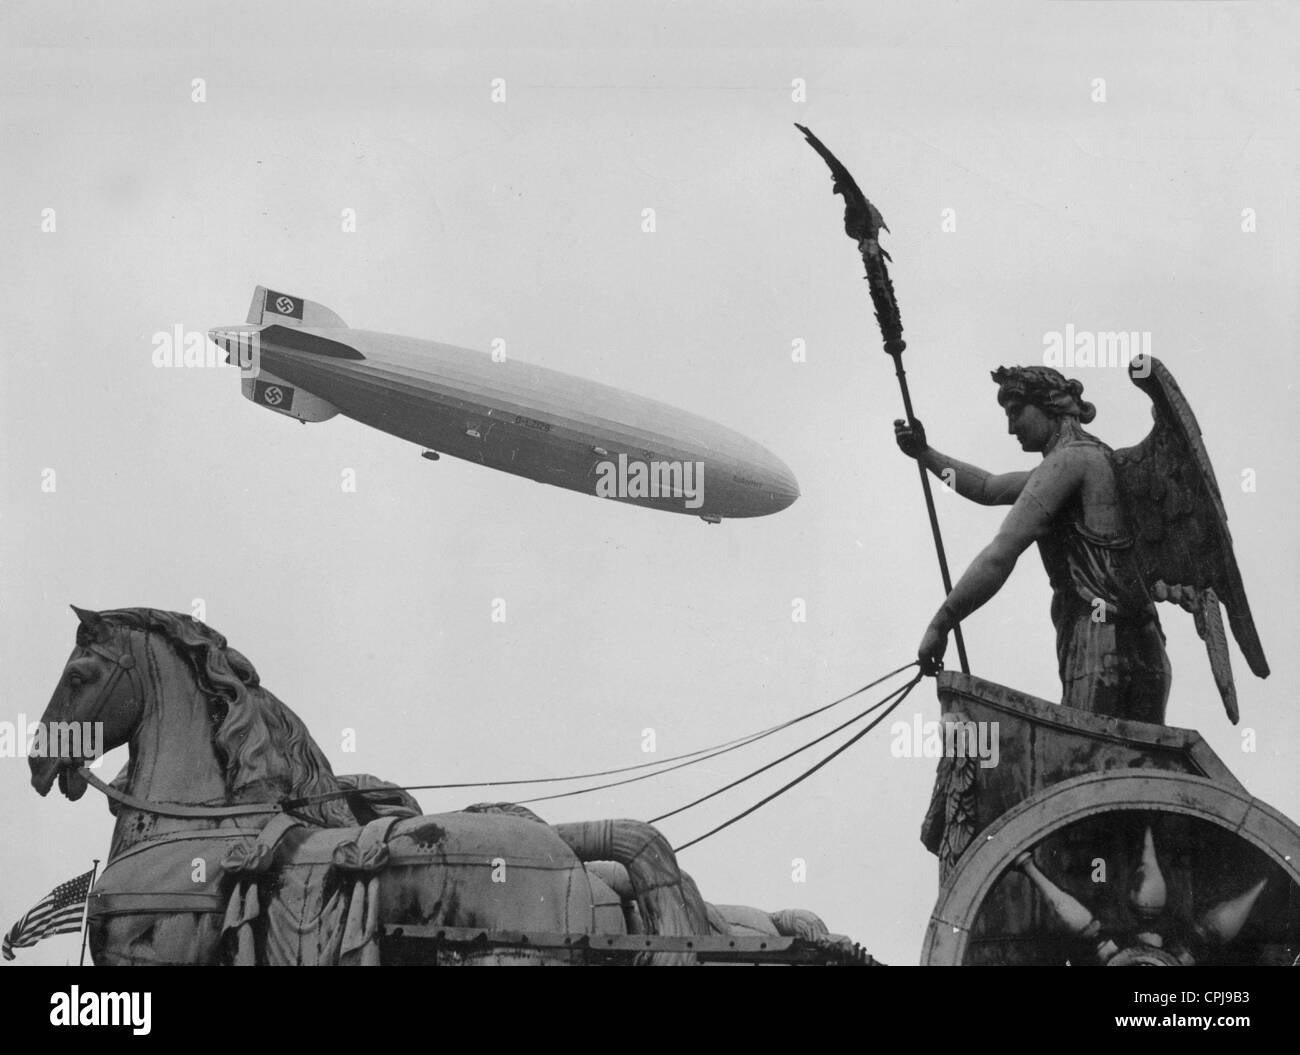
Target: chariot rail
<point>415,943</point>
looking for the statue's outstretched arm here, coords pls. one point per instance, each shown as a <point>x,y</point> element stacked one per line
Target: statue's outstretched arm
<point>1047,490</point>
<point>969,481</point>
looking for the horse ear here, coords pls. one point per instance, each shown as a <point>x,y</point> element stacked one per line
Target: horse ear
<point>90,620</point>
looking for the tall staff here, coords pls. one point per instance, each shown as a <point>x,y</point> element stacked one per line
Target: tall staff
<point>863,223</point>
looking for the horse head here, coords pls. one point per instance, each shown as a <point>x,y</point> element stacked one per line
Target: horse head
<point>201,728</point>
<point>95,707</point>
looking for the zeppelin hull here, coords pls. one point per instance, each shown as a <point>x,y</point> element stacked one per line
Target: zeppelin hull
<point>527,420</point>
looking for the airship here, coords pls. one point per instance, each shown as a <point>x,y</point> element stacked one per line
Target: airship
<point>300,360</point>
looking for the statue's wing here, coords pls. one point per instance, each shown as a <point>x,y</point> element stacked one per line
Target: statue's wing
<point>1180,529</point>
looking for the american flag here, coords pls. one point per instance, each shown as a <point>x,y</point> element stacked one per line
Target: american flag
<point>58,912</point>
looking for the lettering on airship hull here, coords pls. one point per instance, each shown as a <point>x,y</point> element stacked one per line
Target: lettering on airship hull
<point>532,423</point>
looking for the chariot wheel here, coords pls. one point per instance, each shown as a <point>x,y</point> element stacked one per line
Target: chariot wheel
<point>1125,868</point>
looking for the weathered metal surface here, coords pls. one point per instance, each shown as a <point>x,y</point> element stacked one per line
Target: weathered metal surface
<point>1124,779</point>
<point>1217,841</point>
<point>1041,744</point>
<point>316,882</point>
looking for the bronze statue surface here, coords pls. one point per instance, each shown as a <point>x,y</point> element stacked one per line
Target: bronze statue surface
<point>236,843</point>
<point>1117,531</point>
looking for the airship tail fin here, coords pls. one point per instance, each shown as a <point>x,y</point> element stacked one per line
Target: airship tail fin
<point>270,305</point>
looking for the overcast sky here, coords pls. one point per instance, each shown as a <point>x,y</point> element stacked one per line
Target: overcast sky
<point>522,220</point>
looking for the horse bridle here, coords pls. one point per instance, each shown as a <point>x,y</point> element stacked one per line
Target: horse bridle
<point>124,663</point>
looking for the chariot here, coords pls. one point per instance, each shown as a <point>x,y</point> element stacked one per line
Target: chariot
<point>1101,840</point>
<point>1091,840</point>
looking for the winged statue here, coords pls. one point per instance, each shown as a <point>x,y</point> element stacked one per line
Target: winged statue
<point>1112,548</point>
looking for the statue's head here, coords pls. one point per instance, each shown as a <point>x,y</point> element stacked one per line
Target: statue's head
<point>1037,400</point>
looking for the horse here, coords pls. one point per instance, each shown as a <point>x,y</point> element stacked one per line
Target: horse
<point>235,842</point>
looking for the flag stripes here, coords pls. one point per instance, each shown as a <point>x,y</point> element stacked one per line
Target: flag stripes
<point>59,912</point>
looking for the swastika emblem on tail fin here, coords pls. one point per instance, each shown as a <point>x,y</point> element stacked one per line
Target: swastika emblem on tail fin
<point>278,396</point>
<point>283,304</point>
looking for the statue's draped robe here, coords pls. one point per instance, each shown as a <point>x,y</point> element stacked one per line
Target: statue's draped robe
<point>1111,655</point>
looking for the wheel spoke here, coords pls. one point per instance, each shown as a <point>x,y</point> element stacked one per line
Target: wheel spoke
<point>1078,919</point>
<point>1220,924</point>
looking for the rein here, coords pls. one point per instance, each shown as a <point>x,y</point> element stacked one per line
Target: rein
<point>124,663</point>
<point>177,809</point>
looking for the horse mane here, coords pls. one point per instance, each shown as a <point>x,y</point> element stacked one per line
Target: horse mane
<point>265,748</point>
